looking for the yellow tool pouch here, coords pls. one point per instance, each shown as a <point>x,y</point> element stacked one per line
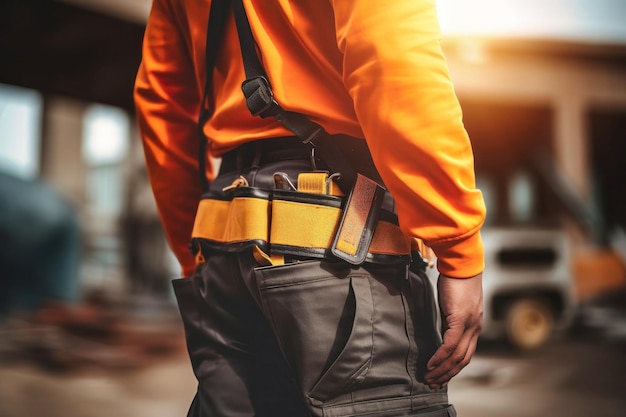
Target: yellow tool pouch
<point>289,223</point>
<point>237,222</point>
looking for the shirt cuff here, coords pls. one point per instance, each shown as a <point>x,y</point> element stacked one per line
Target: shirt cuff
<point>463,258</point>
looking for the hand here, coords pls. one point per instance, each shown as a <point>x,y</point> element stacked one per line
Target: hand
<point>461,304</point>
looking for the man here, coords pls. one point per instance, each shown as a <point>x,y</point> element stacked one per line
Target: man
<point>270,330</point>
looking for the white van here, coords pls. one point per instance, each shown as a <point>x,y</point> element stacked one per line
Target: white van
<point>528,285</point>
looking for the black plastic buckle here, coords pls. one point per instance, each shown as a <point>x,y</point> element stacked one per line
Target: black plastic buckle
<point>259,95</point>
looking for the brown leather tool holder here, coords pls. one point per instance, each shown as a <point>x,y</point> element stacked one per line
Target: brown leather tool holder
<point>358,222</point>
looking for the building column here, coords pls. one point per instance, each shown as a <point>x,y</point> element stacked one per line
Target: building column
<point>62,163</point>
<point>570,143</point>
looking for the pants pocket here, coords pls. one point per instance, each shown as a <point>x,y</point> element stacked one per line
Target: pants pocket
<point>322,315</point>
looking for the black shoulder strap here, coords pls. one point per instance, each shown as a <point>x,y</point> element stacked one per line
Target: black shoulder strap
<point>257,88</point>
<point>347,157</point>
<point>217,20</point>
<point>260,101</point>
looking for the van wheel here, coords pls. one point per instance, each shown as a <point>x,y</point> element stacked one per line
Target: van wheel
<point>529,323</point>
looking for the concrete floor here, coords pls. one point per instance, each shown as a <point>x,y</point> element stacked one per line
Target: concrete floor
<point>163,389</point>
<point>570,378</point>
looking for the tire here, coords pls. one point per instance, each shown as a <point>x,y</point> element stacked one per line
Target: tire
<point>529,323</point>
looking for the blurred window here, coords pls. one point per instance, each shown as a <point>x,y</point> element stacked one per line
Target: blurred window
<point>522,197</point>
<point>105,147</point>
<point>527,257</point>
<point>508,137</point>
<point>106,131</point>
<point>20,132</point>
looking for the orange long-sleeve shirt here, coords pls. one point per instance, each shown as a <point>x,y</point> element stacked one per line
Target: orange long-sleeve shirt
<point>365,68</point>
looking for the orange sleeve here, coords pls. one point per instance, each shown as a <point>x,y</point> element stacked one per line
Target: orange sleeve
<point>167,102</point>
<point>397,76</point>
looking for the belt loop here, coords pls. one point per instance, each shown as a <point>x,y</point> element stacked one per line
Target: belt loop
<point>239,162</point>
<point>258,154</point>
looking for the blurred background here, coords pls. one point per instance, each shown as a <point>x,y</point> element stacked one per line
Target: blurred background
<point>88,325</point>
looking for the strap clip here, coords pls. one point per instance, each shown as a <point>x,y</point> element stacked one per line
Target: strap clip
<point>240,181</point>
<point>259,96</point>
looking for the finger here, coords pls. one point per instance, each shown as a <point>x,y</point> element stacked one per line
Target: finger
<point>452,361</point>
<point>451,339</point>
<point>456,362</point>
<point>444,379</point>
<point>458,356</point>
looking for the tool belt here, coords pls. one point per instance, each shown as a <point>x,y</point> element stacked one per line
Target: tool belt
<point>300,213</point>
<point>288,223</point>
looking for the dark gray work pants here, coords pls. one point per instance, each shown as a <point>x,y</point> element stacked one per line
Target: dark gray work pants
<point>313,337</point>
<point>309,338</point>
